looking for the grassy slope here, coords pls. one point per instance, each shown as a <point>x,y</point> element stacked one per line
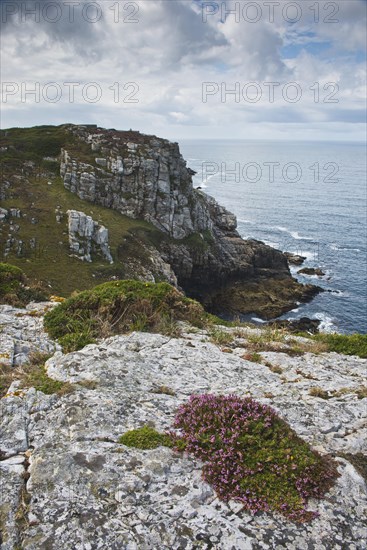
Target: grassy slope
<point>50,260</point>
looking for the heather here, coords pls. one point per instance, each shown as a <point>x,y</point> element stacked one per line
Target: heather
<point>252,456</point>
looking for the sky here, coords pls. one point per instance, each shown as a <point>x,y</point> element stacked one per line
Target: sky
<point>266,69</point>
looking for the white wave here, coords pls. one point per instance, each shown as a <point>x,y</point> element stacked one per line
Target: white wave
<point>293,234</point>
<point>245,221</point>
<point>257,320</point>
<point>334,246</point>
<point>327,324</point>
<point>272,244</point>
<point>299,237</point>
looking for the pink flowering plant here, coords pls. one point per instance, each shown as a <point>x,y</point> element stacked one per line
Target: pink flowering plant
<point>252,456</point>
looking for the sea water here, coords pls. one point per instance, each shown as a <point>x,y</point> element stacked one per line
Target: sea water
<point>303,197</point>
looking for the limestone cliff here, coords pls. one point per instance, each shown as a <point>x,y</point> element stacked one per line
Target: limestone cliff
<point>146,177</point>
<point>133,213</point>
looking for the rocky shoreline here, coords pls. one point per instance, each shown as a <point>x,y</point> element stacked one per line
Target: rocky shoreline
<point>124,204</point>
<point>67,483</point>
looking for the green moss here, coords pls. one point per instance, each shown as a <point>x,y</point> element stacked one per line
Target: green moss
<point>120,307</point>
<point>145,438</point>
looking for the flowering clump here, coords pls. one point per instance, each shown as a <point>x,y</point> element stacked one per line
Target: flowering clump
<point>253,456</point>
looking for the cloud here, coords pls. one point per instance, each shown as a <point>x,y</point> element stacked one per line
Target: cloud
<point>170,51</point>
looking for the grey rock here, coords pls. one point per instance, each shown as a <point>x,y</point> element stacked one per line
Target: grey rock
<point>87,236</point>
<point>87,491</point>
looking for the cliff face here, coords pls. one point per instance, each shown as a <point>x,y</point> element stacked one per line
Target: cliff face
<point>146,177</point>
<point>125,205</point>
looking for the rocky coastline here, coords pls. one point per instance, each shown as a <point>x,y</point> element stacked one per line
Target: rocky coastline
<point>146,177</point>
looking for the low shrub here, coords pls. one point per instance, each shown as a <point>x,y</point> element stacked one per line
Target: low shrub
<point>15,289</point>
<point>120,307</point>
<point>253,456</point>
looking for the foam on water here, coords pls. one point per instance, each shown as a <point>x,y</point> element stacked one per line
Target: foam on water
<point>327,324</point>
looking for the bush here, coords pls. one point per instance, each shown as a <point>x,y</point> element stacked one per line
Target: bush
<point>14,289</point>
<point>11,278</point>
<point>253,456</point>
<point>120,307</point>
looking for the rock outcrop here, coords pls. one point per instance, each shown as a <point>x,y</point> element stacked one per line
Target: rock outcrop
<point>87,236</point>
<point>169,230</point>
<point>68,483</point>
<point>146,177</point>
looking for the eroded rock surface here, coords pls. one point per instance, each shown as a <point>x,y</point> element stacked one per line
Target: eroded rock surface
<point>87,236</point>
<point>71,485</point>
<point>145,177</point>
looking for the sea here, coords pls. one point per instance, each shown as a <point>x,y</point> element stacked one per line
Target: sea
<point>308,198</point>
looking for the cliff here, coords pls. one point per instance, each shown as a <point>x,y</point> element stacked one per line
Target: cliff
<point>67,482</point>
<point>130,203</point>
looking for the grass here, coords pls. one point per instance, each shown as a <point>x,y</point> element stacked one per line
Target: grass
<point>254,357</point>
<point>120,307</point>
<point>49,260</point>
<point>220,337</point>
<point>346,344</point>
<point>360,392</point>
<point>145,438</point>
<point>15,289</point>
<point>253,456</point>
<point>32,375</point>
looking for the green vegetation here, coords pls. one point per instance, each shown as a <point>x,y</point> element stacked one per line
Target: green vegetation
<point>37,189</point>
<point>14,289</point>
<point>360,392</point>
<point>145,438</point>
<point>199,242</point>
<point>253,456</point>
<point>220,337</point>
<point>120,307</point>
<point>347,344</point>
<point>32,375</point>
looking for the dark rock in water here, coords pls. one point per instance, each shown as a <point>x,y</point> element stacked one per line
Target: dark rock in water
<point>298,325</point>
<point>267,298</point>
<point>311,271</point>
<point>294,259</point>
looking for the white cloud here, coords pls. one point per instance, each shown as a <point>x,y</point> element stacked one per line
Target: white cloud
<point>171,51</point>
